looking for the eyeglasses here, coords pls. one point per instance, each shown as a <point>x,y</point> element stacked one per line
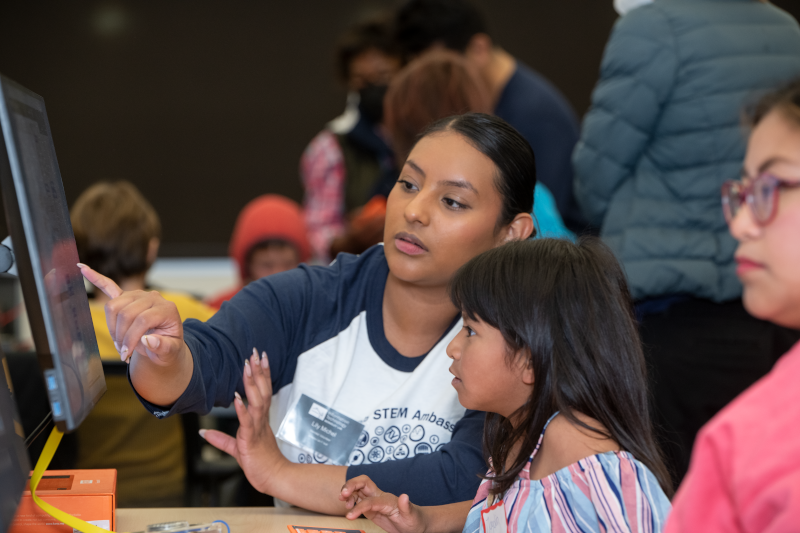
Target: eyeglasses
<point>761,194</point>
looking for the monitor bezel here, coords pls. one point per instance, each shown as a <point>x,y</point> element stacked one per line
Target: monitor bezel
<point>20,227</point>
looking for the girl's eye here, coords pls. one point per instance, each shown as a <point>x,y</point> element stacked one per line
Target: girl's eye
<point>470,331</point>
<point>452,204</point>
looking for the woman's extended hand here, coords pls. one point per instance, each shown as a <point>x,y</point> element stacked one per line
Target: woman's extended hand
<point>390,513</point>
<point>141,321</point>
<point>254,447</point>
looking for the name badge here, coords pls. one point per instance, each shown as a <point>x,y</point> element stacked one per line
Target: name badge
<point>493,518</point>
<point>320,430</point>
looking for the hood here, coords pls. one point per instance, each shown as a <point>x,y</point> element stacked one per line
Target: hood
<point>268,217</point>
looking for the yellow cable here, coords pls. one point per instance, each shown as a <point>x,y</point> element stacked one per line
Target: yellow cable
<point>41,465</point>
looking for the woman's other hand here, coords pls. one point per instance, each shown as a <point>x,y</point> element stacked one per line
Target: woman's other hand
<point>254,447</point>
<point>390,513</point>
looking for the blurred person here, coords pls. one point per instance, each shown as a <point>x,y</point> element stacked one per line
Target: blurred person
<point>269,237</point>
<point>118,232</point>
<point>662,135</point>
<point>745,469</point>
<point>441,84</point>
<point>349,162</point>
<point>518,94</point>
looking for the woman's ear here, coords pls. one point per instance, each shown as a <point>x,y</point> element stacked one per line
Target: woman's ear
<point>518,229</point>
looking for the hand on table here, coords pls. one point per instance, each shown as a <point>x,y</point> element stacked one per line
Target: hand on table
<point>254,447</point>
<point>390,513</point>
<point>141,321</point>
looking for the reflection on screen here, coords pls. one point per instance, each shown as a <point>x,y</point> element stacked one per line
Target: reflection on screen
<point>53,254</point>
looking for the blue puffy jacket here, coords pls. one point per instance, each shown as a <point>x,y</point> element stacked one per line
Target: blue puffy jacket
<point>664,132</point>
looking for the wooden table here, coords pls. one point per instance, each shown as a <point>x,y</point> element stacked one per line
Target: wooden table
<point>241,519</point>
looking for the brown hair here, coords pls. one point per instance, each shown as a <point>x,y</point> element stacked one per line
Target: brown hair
<point>438,85</point>
<point>113,225</point>
<point>785,99</point>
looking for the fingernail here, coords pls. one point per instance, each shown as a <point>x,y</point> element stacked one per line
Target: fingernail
<point>151,342</point>
<point>247,368</point>
<point>202,433</point>
<point>81,265</point>
<point>236,395</point>
<point>123,353</point>
<point>255,353</point>
<point>264,360</point>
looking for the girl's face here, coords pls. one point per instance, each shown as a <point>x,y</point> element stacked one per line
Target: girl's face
<point>768,256</point>
<point>484,378</point>
<point>443,211</point>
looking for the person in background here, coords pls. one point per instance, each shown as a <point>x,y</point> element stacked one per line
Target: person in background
<point>269,237</point>
<point>440,84</point>
<point>662,135</point>
<point>117,232</point>
<point>745,469</point>
<point>350,162</point>
<point>518,94</point>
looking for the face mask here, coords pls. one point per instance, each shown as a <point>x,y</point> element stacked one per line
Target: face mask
<point>623,6</point>
<point>370,104</point>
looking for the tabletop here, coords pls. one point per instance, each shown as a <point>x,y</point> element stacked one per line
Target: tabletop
<point>240,519</point>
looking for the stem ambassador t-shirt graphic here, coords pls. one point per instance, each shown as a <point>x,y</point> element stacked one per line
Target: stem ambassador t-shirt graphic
<point>394,433</point>
<point>404,413</point>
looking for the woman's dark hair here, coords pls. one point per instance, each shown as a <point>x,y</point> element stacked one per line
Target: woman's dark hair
<point>567,308</point>
<point>508,150</point>
<point>786,99</point>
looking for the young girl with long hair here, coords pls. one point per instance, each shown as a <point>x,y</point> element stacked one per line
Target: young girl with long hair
<point>549,348</point>
<point>745,468</point>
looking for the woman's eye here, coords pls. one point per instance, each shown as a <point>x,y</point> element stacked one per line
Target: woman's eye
<point>452,204</point>
<point>406,185</point>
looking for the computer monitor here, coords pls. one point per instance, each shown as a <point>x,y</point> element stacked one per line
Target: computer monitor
<point>14,465</point>
<point>46,258</point>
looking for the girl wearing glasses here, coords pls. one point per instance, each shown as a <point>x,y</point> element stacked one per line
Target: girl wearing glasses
<point>745,469</point>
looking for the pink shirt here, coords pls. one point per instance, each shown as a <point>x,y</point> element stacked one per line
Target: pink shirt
<point>745,470</point>
<point>323,173</point>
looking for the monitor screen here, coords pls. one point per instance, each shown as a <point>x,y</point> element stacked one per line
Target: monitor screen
<point>14,466</point>
<point>44,248</point>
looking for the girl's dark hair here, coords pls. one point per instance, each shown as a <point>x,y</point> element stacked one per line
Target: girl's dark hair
<point>567,308</point>
<point>508,150</point>
<point>785,99</point>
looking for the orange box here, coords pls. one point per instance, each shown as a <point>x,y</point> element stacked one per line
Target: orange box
<point>86,494</point>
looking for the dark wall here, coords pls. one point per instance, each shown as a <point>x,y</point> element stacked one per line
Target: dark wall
<point>205,105</point>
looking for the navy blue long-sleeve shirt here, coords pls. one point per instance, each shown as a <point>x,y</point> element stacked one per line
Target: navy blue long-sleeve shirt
<point>322,328</point>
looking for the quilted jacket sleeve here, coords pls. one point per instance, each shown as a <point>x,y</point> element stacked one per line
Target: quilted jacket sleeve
<point>636,78</point>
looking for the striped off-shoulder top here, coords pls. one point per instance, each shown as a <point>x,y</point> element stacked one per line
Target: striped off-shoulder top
<point>608,492</point>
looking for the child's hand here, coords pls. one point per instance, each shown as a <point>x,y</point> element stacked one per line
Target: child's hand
<point>390,513</point>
